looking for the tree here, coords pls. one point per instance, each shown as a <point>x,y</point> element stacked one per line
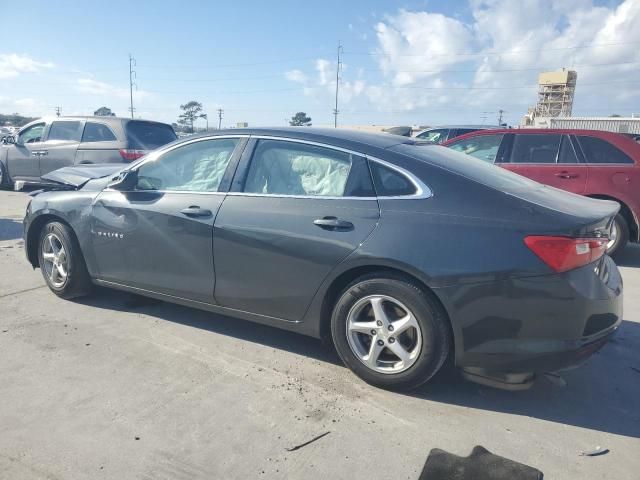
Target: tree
<point>104,112</point>
<point>300,119</point>
<point>191,112</point>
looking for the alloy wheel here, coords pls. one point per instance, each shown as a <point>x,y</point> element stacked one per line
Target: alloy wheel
<point>55,260</point>
<point>613,235</point>
<point>384,334</point>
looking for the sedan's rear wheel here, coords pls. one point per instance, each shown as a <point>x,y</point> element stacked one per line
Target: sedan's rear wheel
<point>390,332</point>
<point>61,261</point>
<point>619,235</point>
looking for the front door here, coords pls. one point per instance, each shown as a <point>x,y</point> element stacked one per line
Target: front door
<point>549,159</point>
<point>61,144</point>
<point>23,157</point>
<point>300,209</point>
<point>158,236</point>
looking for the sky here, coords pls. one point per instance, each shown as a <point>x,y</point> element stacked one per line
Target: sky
<point>403,62</point>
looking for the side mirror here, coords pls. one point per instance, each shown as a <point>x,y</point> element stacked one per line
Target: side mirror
<point>126,181</point>
<point>9,140</point>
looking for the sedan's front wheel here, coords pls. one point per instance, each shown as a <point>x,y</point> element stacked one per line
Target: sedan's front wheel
<point>390,332</point>
<point>61,261</point>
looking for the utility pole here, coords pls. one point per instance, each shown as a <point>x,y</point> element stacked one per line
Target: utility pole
<point>335,110</point>
<point>220,112</point>
<point>500,112</point>
<point>132,75</point>
<point>57,109</point>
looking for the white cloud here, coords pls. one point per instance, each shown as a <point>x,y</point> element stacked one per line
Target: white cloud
<point>430,62</point>
<point>295,76</point>
<point>12,65</point>
<point>95,87</point>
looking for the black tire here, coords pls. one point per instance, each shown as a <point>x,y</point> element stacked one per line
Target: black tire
<point>5,181</point>
<point>77,282</point>
<point>622,237</point>
<point>431,317</point>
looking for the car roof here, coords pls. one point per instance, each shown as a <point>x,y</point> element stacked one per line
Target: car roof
<point>335,136</point>
<point>479,127</point>
<point>100,118</point>
<point>528,131</point>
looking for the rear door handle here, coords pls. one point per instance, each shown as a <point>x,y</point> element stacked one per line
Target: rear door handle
<point>195,211</point>
<point>333,223</point>
<point>567,175</point>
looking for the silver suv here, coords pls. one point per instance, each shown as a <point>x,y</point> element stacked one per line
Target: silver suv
<point>48,144</point>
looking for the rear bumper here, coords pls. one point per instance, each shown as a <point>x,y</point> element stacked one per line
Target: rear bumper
<point>537,324</point>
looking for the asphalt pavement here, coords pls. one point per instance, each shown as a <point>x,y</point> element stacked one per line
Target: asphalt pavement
<point>116,386</point>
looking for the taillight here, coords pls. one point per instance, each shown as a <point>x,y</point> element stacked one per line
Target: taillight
<point>565,253</point>
<point>131,155</point>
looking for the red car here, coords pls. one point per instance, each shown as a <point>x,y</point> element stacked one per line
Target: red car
<point>588,162</point>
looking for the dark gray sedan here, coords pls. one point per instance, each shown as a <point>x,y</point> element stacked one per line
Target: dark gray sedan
<point>400,253</point>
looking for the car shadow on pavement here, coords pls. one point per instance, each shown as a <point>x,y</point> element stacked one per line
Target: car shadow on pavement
<point>10,229</point>
<point>221,324</point>
<point>629,257</point>
<point>600,395</point>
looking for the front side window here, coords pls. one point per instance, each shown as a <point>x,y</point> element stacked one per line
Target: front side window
<point>434,136</point>
<point>97,132</point>
<point>65,130</point>
<point>196,167</point>
<point>483,147</point>
<point>288,168</point>
<point>32,134</point>
<point>535,148</point>
<point>597,150</point>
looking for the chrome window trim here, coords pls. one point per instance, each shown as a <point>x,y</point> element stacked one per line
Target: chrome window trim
<point>157,154</point>
<point>422,190</point>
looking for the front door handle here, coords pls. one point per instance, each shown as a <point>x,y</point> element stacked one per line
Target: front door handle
<point>195,211</point>
<point>333,223</point>
<point>567,175</point>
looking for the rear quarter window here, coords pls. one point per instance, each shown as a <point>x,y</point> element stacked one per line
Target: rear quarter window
<point>597,150</point>
<point>97,132</point>
<point>148,135</point>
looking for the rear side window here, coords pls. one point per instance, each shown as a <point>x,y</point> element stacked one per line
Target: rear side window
<point>535,148</point>
<point>97,132</point>
<point>390,183</point>
<point>290,168</point>
<point>597,150</point>
<point>148,135</point>
<point>483,147</point>
<point>65,130</point>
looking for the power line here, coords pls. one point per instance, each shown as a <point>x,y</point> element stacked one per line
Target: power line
<point>505,52</point>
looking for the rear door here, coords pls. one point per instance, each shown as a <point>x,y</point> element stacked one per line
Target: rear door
<point>548,158</point>
<point>99,143</point>
<point>295,211</point>
<point>61,144</point>
<point>611,171</point>
<point>23,157</point>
